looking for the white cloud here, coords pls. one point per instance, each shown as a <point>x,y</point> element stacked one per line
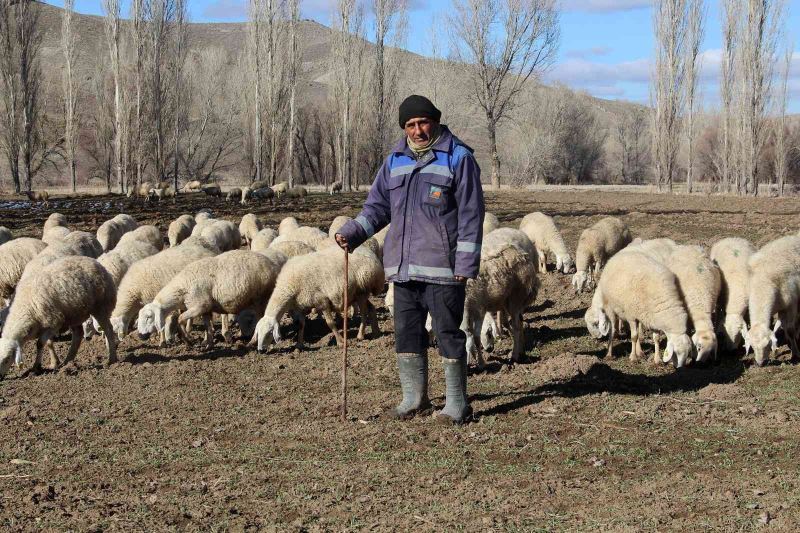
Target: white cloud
<point>588,52</point>
<point>583,71</point>
<point>604,6</point>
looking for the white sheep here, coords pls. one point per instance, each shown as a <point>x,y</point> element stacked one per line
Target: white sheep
<point>55,234</point>
<point>336,187</point>
<point>148,276</point>
<point>490,223</point>
<point>5,235</point>
<point>774,289</point>
<point>203,214</point>
<point>54,220</point>
<point>14,257</point>
<point>228,283</point>
<point>658,249</point>
<point>337,224</point>
<point>263,239</point>
<point>596,245</point>
<point>110,231</point>
<point>699,281</point>
<point>279,189</point>
<point>76,243</point>
<point>640,290</point>
<point>147,233</point>
<point>306,234</point>
<point>287,224</point>
<point>224,234</point>
<point>234,194</point>
<point>180,229</point>
<point>249,227</point>
<point>315,281</point>
<point>62,295</point>
<point>542,231</point>
<point>507,283</point>
<point>291,248</point>
<point>732,255</point>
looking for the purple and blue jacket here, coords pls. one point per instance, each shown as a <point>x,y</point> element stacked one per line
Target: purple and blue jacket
<point>435,206</point>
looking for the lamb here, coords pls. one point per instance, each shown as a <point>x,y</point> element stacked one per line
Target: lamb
<point>640,290</point>
<point>336,187</point>
<point>180,229</point>
<point>14,256</point>
<point>146,277</point>
<point>142,191</point>
<point>5,235</point>
<point>774,289</point>
<point>506,283</point>
<point>223,234</point>
<point>55,234</point>
<point>315,281</point>
<point>542,231</point>
<point>229,283</point>
<point>212,190</point>
<point>149,234</point>
<point>595,246</point>
<point>291,248</point>
<point>193,186</point>
<point>287,224</point>
<point>249,227</point>
<point>280,189</point>
<point>233,193</point>
<point>63,295</point>
<point>39,196</point>
<point>55,219</point>
<point>263,239</point>
<point>110,231</point>
<point>699,280</point>
<point>732,255</point>
<point>490,223</point>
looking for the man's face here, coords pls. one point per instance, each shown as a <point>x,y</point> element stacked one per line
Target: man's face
<point>420,130</point>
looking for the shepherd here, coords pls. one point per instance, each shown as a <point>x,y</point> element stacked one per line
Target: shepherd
<point>429,188</point>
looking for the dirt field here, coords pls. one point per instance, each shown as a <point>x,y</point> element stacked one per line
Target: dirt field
<point>184,439</point>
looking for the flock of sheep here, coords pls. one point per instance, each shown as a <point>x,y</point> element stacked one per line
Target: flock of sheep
<point>125,278</point>
<point>258,190</point>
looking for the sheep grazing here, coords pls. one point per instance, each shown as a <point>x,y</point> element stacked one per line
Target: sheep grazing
<point>76,243</point>
<point>306,234</point>
<point>212,190</point>
<point>246,194</point>
<point>249,227</point>
<point>180,229</point>
<point>597,245</point>
<point>84,244</point>
<point>121,258</point>
<point>287,224</point>
<point>658,249</point>
<point>542,231</point>
<point>203,219</point>
<point>203,214</point>
<point>39,196</point>
<point>296,192</point>
<point>263,239</point>
<point>193,186</point>
<point>336,187</point>
<point>148,276</point>
<point>5,235</point>
<point>142,191</point>
<point>14,256</point>
<point>774,289</point>
<point>315,281</point>
<point>640,290</point>
<point>229,283</point>
<point>280,189</point>
<point>61,296</point>
<point>699,280</point>
<point>291,248</point>
<point>732,256</point>
<point>54,220</point>
<point>233,194</point>
<point>506,283</point>
<point>148,234</point>
<point>163,191</point>
<point>264,193</point>
<point>259,184</point>
<point>55,234</point>
<point>337,224</point>
<point>223,234</point>
<point>490,223</point>
<point>111,231</point>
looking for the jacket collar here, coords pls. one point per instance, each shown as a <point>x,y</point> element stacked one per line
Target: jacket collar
<point>444,144</point>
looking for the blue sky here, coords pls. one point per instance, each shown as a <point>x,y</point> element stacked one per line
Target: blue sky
<point>606,45</point>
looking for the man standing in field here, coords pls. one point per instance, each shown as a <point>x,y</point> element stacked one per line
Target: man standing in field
<point>429,188</point>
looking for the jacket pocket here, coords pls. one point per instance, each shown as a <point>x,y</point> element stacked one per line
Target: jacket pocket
<point>396,191</point>
<point>438,189</point>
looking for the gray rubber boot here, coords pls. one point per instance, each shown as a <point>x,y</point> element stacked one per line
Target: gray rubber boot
<point>413,369</point>
<point>456,407</point>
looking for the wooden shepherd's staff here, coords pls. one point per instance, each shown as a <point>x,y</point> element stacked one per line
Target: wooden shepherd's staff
<point>344,351</point>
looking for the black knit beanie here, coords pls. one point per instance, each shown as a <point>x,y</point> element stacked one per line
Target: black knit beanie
<point>416,106</point>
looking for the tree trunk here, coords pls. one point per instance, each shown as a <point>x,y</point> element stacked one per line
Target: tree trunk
<point>492,128</point>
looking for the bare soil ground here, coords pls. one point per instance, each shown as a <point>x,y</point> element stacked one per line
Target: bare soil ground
<point>229,439</point>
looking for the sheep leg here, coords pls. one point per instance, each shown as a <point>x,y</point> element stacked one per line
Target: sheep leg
<point>110,338</point>
<point>77,337</point>
<point>611,335</point>
<point>330,319</point>
<point>227,334</point>
<point>301,330</point>
<point>375,329</point>
<point>518,335</point>
<point>636,346</point>
<point>362,311</point>
<point>51,349</point>
<point>209,340</point>
<point>656,348</point>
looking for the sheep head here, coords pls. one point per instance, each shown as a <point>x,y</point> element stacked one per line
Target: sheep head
<point>152,319</point>
<point>247,320</point>
<point>265,326</point>
<point>734,331</point>
<point>580,281</point>
<point>762,341</point>
<point>597,323</point>
<point>10,353</point>
<point>678,350</point>
<point>119,325</point>
<point>90,328</point>
<point>565,264</point>
<point>705,343</point>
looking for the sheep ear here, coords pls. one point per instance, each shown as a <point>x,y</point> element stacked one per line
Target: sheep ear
<point>776,327</point>
<point>276,332</point>
<point>158,319</point>
<point>18,355</point>
<point>746,337</point>
<point>669,351</point>
<point>774,340</point>
<point>603,324</point>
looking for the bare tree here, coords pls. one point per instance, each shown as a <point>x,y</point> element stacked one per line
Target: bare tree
<point>631,134</point>
<point>728,93</point>
<point>694,39</point>
<point>159,18</point>
<point>760,32</point>
<point>101,122</point>
<point>668,89</point>
<point>112,11</point>
<point>70,90</point>
<point>781,148</point>
<point>178,60</point>
<point>11,90</point>
<point>503,43</point>
<point>294,66</point>
<point>138,37</point>
<point>255,37</point>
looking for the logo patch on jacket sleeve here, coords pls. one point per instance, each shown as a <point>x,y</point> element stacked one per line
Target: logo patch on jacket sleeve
<point>435,193</point>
